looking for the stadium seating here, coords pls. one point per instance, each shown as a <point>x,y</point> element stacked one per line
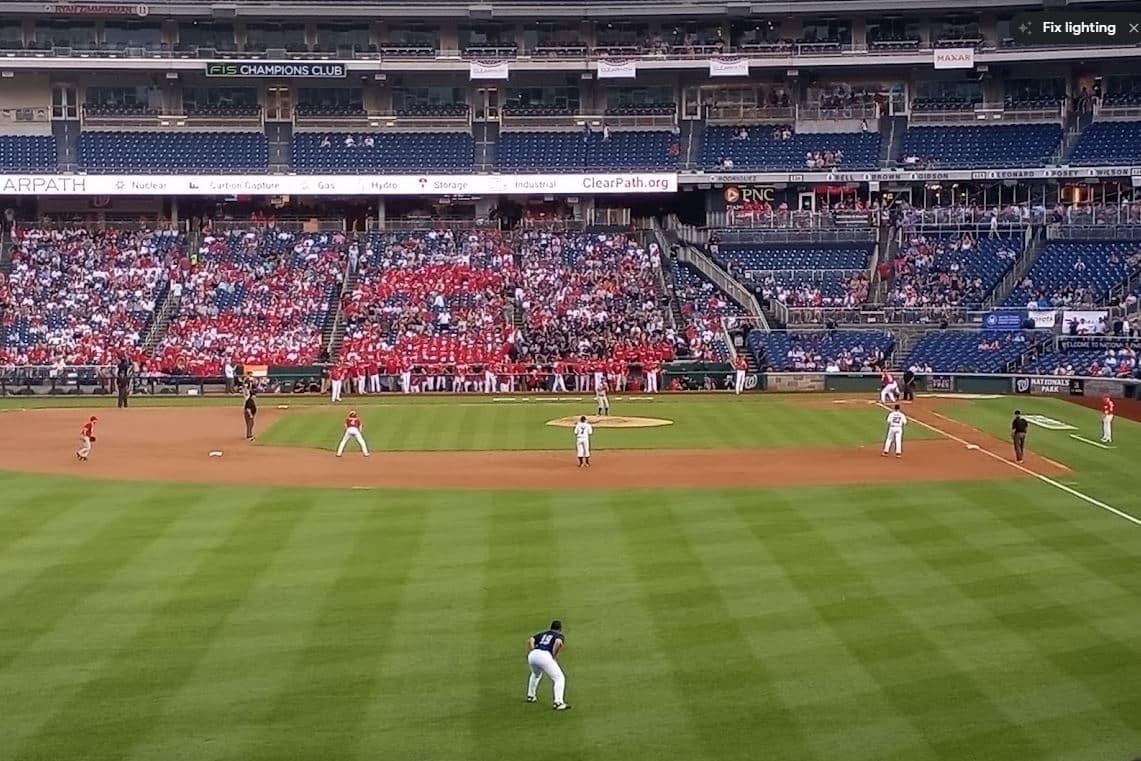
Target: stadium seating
<point>705,308</point>
<point>1111,362</point>
<point>343,152</point>
<point>948,351</point>
<point>27,153</point>
<point>256,297</point>
<point>430,298</point>
<point>821,351</point>
<point>633,150</point>
<point>803,275</point>
<point>762,150</point>
<point>84,297</point>
<point>974,147</point>
<point>1076,273</point>
<point>154,152</point>
<point>951,271</point>
<point>1108,143</point>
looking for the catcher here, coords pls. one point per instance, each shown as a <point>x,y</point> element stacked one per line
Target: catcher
<point>86,439</point>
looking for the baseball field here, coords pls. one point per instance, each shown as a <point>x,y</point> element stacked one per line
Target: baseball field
<point>745,578</point>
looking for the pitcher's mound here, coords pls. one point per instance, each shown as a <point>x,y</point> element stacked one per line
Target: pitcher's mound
<point>610,421</point>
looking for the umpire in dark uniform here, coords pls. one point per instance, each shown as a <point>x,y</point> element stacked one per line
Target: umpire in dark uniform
<point>1018,428</point>
<point>908,386</point>
<point>123,380</point>
<point>250,411</point>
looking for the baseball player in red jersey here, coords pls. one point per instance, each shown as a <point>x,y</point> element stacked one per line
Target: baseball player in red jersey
<point>651,370</point>
<point>373,377</point>
<point>558,379</point>
<point>890,390</point>
<point>353,428</point>
<point>86,439</point>
<point>740,365</point>
<point>1107,419</point>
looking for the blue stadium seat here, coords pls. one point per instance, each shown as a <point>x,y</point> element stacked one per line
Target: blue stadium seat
<point>1108,143</point>
<point>853,350</point>
<point>949,351</point>
<point>1076,271</point>
<point>974,147</point>
<point>761,151</point>
<point>160,152</point>
<point>624,150</point>
<point>400,151</point>
<point>27,153</point>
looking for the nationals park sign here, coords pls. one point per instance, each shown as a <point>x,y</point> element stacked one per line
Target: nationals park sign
<point>335,185</point>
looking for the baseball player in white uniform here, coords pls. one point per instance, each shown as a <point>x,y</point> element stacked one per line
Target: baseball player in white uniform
<point>895,422</point>
<point>542,658</point>
<point>890,390</point>
<point>582,433</point>
<point>353,428</point>
<point>602,400</point>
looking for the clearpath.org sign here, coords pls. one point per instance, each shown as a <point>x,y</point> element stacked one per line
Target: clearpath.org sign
<point>264,70</point>
<point>335,185</point>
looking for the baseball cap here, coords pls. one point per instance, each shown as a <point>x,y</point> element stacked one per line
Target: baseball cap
<point>94,419</point>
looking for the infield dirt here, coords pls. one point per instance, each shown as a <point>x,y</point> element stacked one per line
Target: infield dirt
<point>169,444</point>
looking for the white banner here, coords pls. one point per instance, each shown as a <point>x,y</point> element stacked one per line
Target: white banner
<point>1044,318</point>
<point>728,67</point>
<point>335,185</point>
<point>489,70</point>
<point>1084,322</point>
<point>954,58</point>
<point>617,69</point>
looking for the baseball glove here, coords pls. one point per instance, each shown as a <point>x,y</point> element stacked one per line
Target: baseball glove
<point>92,438</point>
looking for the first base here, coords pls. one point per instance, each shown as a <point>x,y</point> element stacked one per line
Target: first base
<point>216,453</point>
<point>972,446</point>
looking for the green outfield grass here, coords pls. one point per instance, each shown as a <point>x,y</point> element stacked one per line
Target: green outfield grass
<point>701,423</point>
<point>930,622</point>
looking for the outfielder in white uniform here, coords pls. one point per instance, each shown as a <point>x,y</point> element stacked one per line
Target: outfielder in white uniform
<point>601,400</point>
<point>895,422</point>
<point>353,428</point>
<point>582,433</point>
<point>542,657</point>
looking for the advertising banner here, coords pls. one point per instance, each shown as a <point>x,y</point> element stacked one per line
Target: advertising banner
<point>615,69</point>
<point>1083,322</point>
<point>1044,318</point>
<point>489,70</point>
<point>336,185</point>
<point>728,67</point>
<point>954,58</point>
<point>941,383</point>
<point>1006,319</point>
<point>266,70</point>
<point>1048,384</point>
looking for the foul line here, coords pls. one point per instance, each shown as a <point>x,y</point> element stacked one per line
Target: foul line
<point>1091,442</point>
<point>1027,471</point>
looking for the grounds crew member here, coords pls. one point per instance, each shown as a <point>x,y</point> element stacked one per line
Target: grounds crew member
<point>1018,428</point>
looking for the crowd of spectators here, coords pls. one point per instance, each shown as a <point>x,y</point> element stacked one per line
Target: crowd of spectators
<point>258,297</point>
<point>932,273</point>
<point>83,297</point>
<point>707,311</point>
<point>1112,363</point>
<point>591,295</point>
<point>429,297</point>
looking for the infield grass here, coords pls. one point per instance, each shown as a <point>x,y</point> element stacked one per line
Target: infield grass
<point>931,622</point>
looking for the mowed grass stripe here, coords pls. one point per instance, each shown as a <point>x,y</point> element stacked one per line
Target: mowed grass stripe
<point>27,509</point>
<point>152,666</point>
<point>423,693</point>
<point>618,670</point>
<point>57,663</point>
<point>321,709</point>
<point>946,703</point>
<point>274,620</point>
<point>523,593</point>
<point>67,572</point>
<point>723,685</point>
<point>785,631</point>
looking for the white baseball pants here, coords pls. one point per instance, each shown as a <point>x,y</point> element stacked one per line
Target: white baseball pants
<point>739,384</point>
<point>84,446</point>
<point>560,384</point>
<point>651,383</point>
<point>894,436</point>
<point>582,446</point>
<point>406,382</point>
<point>336,397</point>
<point>889,393</point>
<point>542,662</point>
<point>352,433</point>
<point>374,384</point>
<point>1107,428</point>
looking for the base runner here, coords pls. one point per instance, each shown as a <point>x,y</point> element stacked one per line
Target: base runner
<point>86,439</point>
<point>353,428</point>
<point>1107,419</point>
<point>582,433</point>
<point>895,422</point>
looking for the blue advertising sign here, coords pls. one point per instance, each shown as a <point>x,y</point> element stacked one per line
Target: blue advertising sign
<point>1007,319</point>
